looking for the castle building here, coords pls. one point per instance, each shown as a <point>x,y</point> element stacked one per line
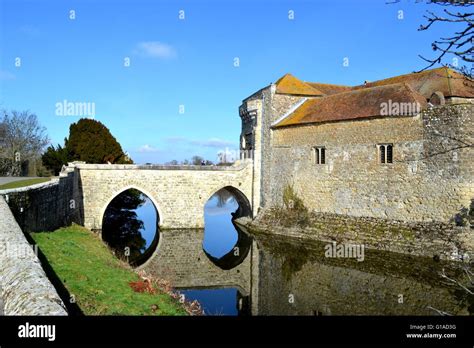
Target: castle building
<point>399,148</point>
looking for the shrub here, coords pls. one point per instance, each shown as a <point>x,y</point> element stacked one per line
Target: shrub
<point>294,211</point>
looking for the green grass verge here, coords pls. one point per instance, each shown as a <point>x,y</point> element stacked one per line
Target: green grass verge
<point>97,279</point>
<point>23,183</point>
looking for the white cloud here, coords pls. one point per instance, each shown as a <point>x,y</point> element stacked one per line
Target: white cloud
<point>5,75</point>
<point>147,149</point>
<point>155,49</point>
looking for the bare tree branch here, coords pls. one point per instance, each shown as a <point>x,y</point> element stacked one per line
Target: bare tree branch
<point>453,281</point>
<point>453,44</point>
<point>460,43</point>
<point>440,312</point>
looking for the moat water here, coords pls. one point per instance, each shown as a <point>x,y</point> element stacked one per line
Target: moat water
<point>232,272</point>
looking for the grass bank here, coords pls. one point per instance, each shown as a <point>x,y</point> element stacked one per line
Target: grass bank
<point>99,281</point>
<point>23,183</point>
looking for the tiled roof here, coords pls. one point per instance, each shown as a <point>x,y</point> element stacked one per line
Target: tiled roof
<point>445,80</point>
<point>289,84</point>
<point>354,104</point>
<point>328,89</point>
<point>339,103</point>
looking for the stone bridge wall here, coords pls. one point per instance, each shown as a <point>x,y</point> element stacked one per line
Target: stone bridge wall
<point>178,192</point>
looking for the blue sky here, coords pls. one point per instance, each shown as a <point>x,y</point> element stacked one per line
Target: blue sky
<point>190,61</point>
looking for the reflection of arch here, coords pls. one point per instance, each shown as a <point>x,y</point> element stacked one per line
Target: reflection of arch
<point>244,209</point>
<point>115,194</point>
<point>233,259</point>
<point>150,251</point>
<point>155,243</point>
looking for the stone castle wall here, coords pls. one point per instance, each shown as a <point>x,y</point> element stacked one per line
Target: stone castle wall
<point>435,240</point>
<point>430,179</point>
<point>251,125</point>
<point>266,107</point>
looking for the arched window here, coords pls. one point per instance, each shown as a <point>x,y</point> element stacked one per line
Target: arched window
<point>385,153</point>
<point>319,155</point>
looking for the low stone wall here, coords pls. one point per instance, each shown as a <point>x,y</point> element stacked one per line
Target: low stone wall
<point>431,239</point>
<point>46,206</point>
<point>24,286</point>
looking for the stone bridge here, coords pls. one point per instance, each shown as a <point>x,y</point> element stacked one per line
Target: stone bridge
<point>179,193</point>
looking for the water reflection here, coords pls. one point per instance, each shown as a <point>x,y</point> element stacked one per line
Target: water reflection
<point>220,236</point>
<point>215,301</point>
<point>272,275</point>
<point>281,276</point>
<point>383,284</point>
<point>130,226</point>
<point>210,265</point>
<point>181,259</point>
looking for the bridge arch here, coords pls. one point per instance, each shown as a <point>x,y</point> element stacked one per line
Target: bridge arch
<point>126,188</point>
<point>245,208</point>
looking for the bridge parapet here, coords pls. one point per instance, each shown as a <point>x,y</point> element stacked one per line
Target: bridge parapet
<point>85,166</point>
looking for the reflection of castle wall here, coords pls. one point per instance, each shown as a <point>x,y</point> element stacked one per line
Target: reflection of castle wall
<point>319,288</point>
<point>180,258</point>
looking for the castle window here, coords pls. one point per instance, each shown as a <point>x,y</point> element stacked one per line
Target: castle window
<point>248,141</point>
<point>385,153</point>
<point>319,155</point>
